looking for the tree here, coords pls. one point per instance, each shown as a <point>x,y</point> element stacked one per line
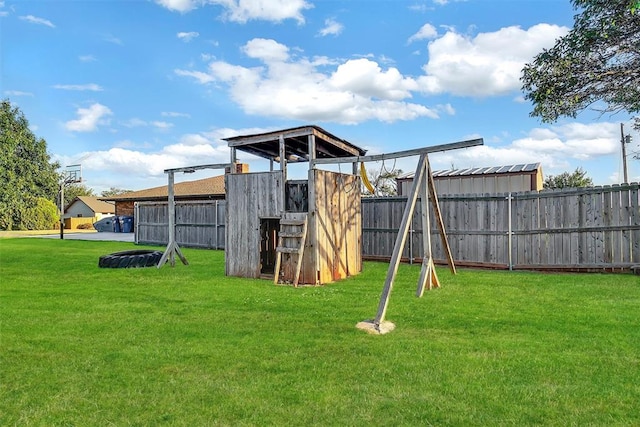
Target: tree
<point>40,214</point>
<point>26,170</point>
<point>383,182</point>
<point>71,191</point>
<point>113,191</point>
<point>598,60</point>
<point>577,179</point>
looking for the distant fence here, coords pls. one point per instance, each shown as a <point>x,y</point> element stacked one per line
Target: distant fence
<point>594,228</point>
<point>199,224</point>
<point>581,229</point>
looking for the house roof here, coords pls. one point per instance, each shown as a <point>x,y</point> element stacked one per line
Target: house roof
<point>94,204</point>
<point>201,188</point>
<point>492,170</point>
<point>296,141</point>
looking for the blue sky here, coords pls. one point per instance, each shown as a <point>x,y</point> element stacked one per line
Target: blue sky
<point>130,88</point>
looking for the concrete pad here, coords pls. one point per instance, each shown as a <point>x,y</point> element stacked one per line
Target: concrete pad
<point>89,235</point>
<point>370,327</point>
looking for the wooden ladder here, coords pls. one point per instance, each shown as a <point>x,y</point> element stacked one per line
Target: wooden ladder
<point>291,240</point>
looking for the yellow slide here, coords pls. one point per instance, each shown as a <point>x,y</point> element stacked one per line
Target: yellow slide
<point>365,180</point>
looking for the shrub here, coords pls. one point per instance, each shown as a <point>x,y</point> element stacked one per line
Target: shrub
<point>39,214</point>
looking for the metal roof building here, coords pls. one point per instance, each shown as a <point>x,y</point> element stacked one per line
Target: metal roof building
<point>495,179</point>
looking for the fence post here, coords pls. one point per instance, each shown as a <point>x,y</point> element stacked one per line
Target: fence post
<point>509,232</point>
<point>215,229</point>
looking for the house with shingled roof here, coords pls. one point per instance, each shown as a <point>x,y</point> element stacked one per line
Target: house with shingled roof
<point>201,189</point>
<point>86,210</point>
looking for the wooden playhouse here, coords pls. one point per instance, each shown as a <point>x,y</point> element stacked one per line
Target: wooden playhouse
<point>298,231</point>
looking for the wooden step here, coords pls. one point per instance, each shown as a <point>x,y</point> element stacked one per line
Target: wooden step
<point>297,229</point>
<point>286,250</point>
<point>297,222</point>
<point>290,235</point>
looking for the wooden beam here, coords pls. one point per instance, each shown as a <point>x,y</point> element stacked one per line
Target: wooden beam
<point>190,169</point>
<point>239,141</point>
<point>438,215</point>
<point>401,238</point>
<point>406,153</point>
<point>336,142</point>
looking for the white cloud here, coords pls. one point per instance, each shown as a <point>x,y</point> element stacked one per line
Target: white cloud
<point>267,50</point>
<point>419,8</point>
<point>447,108</point>
<point>17,93</point>
<point>187,36</point>
<point>39,21</point>
<point>286,84</point>
<point>365,77</point>
<point>89,118</point>
<point>135,163</point>
<point>180,5</point>
<point>161,125</point>
<point>292,87</point>
<point>112,39</point>
<point>243,11</point>
<point>487,64</point>
<point>202,78</point>
<point>426,32</point>
<point>331,27</point>
<point>87,58</point>
<point>135,122</point>
<point>90,86</point>
<point>558,148</point>
<point>268,10</point>
<point>174,114</point>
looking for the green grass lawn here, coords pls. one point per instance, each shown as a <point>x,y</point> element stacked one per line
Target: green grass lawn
<point>188,346</point>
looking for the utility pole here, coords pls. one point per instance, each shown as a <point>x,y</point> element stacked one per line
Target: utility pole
<point>624,153</point>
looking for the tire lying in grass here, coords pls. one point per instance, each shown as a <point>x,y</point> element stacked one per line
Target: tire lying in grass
<point>130,259</point>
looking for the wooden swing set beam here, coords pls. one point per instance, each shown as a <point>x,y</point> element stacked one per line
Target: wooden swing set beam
<point>173,248</point>
<point>400,154</point>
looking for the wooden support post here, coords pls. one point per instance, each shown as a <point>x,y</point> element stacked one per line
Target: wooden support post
<point>428,276</point>
<point>283,169</point>
<point>422,184</point>
<point>172,247</point>
<point>312,151</point>
<point>438,214</point>
<point>400,241</point>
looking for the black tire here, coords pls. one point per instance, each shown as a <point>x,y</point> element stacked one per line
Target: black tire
<point>130,259</point>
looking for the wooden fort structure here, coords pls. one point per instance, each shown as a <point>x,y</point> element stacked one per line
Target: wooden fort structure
<point>308,231</point>
<point>298,231</point>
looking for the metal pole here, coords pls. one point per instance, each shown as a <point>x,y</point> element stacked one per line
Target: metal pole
<point>624,154</point>
<point>62,210</point>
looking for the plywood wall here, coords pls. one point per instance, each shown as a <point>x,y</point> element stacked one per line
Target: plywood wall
<point>249,197</point>
<point>336,225</point>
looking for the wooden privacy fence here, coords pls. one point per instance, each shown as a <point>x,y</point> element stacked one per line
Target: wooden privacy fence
<point>580,229</point>
<point>583,229</point>
<point>199,224</point>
